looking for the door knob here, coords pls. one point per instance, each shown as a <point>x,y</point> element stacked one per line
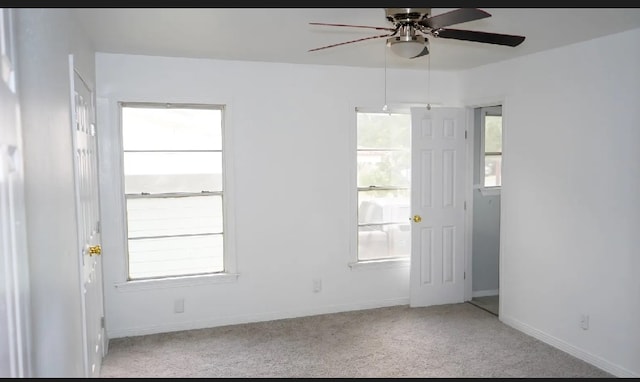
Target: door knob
<point>417,218</point>
<point>95,250</point>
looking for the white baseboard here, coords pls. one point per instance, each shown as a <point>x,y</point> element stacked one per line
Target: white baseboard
<point>594,360</point>
<point>483,293</point>
<point>243,319</point>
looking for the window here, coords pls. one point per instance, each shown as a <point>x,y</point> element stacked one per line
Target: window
<point>174,189</point>
<point>491,146</point>
<point>384,185</point>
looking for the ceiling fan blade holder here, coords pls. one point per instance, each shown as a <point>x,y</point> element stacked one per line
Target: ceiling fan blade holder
<point>354,26</point>
<point>352,41</point>
<point>457,16</point>
<point>485,37</point>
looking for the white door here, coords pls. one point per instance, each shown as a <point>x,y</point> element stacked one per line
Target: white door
<point>438,163</point>
<point>88,211</point>
<point>14,276</point>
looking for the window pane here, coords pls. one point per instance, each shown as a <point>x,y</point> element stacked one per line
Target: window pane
<point>172,172</point>
<point>493,134</point>
<point>383,160</point>
<point>383,206</point>
<point>387,241</point>
<point>492,170</point>
<point>174,216</point>
<point>384,168</point>
<point>171,129</point>
<point>175,256</point>
<point>382,130</point>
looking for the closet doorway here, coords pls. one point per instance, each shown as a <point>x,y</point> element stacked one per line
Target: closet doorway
<point>486,207</point>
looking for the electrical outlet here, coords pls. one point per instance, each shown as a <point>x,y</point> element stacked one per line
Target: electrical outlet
<point>178,305</point>
<point>584,321</point>
<point>317,285</point>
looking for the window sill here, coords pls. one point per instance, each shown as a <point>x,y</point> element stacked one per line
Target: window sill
<point>381,264</point>
<point>487,191</point>
<point>492,191</point>
<point>176,282</point>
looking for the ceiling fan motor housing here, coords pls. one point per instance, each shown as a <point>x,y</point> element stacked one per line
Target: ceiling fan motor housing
<point>406,15</point>
<point>407,43</point>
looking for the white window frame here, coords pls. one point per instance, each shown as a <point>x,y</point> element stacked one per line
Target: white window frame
<point>488,111</point>
<point>229,273</point>
<point>354,263</point>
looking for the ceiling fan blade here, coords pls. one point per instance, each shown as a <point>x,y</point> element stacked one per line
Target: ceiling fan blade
<point>486,37</point>
<point>424,52</point>
<point>354,26</point>
<point>457,16</point>
<point>352,41</point>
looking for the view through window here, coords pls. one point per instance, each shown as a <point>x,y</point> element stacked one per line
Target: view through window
<point>384,185</point>
<point>173,181</point>
<point>492,146</point>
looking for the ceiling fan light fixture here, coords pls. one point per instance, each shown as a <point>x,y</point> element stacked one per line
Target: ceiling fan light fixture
<point>406,47</point>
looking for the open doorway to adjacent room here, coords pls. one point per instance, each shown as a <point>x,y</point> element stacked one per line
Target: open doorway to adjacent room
<point>486,207</point>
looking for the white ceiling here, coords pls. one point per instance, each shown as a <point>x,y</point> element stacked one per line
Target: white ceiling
<point>284,34</point>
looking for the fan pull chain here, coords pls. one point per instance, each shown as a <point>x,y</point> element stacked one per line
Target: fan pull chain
<point>385,107</point>
<point>429,82</point>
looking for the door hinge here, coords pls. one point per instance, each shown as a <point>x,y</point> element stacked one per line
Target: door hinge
<point>102,322</point>
<point>465,134</point>
<point>465,205</point>
<point>98,227</point>
<point>464,275</point>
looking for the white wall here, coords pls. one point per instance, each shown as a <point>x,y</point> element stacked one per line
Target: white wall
<point>570,197</point>
<point>45,37</point>
<point>291,151</point>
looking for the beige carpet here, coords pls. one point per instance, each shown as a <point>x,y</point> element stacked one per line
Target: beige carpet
<point>459,340</point>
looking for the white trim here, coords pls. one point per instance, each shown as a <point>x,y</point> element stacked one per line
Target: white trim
<point>228,205</point>
<point>487,191</point>
<point>176,282</point>
<point>381,263</point>
<point>503,220</point>
<point>490,191</point>
<point>484,293</point>
<point>353,182</point>
<point>584,355</point>
<point>468,227</point>
<point>253,318</point>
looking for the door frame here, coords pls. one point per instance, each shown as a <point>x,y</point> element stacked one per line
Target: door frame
<point>15,317</point>
<point>470,105</point>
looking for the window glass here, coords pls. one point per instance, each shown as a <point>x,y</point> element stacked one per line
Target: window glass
<point>383,179</point>
<point>492,158</point>
<point>173,182</point>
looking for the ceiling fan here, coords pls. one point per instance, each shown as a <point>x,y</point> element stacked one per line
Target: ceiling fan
<point>407,37</point>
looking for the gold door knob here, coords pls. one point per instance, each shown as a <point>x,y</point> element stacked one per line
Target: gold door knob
<point>95,250</point>
<point>417,218</point>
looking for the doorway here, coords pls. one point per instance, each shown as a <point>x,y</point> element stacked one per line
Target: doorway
<point>487,184</point>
